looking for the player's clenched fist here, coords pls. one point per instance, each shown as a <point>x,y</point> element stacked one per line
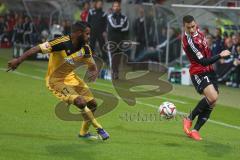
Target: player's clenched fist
<point>225,53</point>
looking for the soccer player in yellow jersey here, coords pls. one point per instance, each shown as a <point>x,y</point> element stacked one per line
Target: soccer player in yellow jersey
<point>66,54</point>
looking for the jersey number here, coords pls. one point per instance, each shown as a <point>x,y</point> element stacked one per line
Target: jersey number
<point>206,77</point>
<point>65,91</point>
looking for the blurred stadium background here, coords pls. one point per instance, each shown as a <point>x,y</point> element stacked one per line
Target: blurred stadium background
<point>24,23</point>
<point>29,128</point>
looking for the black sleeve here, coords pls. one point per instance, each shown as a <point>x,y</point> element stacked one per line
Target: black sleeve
<point>111,26</point>
<point>197,55</point>
<point>58,44</point>
<point>206,61</point>
<point>125,27</point>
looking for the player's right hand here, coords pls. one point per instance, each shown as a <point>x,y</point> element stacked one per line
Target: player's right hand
<point>13,64</point>
<point>225,53</point>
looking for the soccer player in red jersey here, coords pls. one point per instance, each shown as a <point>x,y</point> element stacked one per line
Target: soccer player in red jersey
<point>202,75</point>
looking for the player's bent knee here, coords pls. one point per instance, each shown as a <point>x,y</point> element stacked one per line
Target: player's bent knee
<point>212,99</point>
<point>92,105</point>
<point>79,102</point>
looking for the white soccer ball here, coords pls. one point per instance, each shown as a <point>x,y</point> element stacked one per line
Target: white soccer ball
<point>167,110</point>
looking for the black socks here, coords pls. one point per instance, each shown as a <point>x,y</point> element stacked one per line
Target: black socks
<point>201,106</point>
<point>203,111</point>
<point>203,117</point>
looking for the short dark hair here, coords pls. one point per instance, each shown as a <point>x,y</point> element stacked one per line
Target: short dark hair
<point>79,26</point>
<point>117,1</point>
<point>188,19</point>
<point>84,3</point>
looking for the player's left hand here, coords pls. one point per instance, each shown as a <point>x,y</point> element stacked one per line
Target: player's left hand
<point>225,53</point>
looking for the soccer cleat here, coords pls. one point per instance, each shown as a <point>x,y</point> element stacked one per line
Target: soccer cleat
<point>187,124</point>
<point>88,136</point>
<point>195,135</point>
<point>103,134</point>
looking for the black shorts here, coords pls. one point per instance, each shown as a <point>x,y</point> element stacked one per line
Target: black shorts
<point>201,81</point>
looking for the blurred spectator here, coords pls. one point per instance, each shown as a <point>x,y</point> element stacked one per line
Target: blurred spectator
<point>5,41</point>
<point>236,74</point>
<point>16,16</point>
<point>239,36</point>
<point>229,68</point>
<point>43,25</point>
<point>209,39</point>
<point>156,53</point>
<point>10,22</point>
<point>150,26</point>
<point>139,30</point>
<point>225,35</point>
<point>3,28</point>
<point>97,19</point>
<point>66,27</point>
<point>235,41</point>
<point>218,42</point>
<point>206,31</point>
<point>85,12</point>
<point>18,31</point>
<point>28,31</point>
<point>92,4</point>
<point>228,44</point>
<point>163,35</point>
<point>118,28</point>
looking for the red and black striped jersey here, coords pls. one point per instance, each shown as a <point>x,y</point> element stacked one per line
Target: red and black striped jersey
<point>198,53</point>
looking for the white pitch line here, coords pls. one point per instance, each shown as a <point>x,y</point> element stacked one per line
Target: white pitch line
<point>138,102</point>
<point>173,100</point>
<point>23,74</point>
<point>41,70</point>
<point>183,113</point>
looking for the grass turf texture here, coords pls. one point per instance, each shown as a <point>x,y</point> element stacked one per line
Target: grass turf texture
<point>31,130</point>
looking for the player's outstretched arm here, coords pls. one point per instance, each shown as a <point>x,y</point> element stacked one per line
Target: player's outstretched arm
<point>14,63</point>
<point>208,61</point>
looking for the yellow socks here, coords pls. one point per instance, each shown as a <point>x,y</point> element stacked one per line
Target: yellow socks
<point>85,127</point>
<point>88,116</point>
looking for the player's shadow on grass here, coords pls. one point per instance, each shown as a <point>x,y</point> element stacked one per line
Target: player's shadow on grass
<point>33,136</point>
<point>149,141</point>
<point>160,132</point>
<point>82,150</point>
<point>215,149</point>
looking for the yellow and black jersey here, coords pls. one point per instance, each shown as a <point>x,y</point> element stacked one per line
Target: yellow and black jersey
<point>63,58</point>
<point>60,79</point>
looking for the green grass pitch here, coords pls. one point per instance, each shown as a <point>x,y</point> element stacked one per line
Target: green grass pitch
<point>29,128</point>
